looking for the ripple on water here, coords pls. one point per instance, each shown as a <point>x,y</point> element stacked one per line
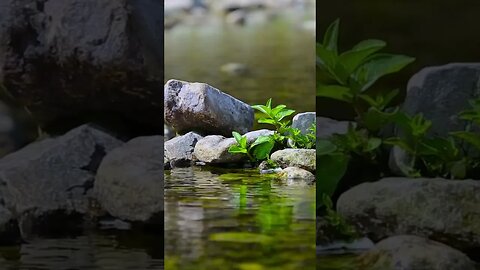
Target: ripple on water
<point>217,219</point>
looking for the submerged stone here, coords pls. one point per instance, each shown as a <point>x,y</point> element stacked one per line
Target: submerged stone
<point>204,109</point>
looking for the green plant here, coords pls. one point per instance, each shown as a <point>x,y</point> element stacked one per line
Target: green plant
<point>261,148</point>
<point>343,228</point>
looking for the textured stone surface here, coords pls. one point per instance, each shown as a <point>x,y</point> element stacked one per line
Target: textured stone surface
<point>301,158</point>
<point>129,182</point>
<point>443,210</point>
<point>408,252</point>
<point>297,175</point>
<point>214,148</point>
<point>69,58</point>
<point>179,150</point>
<point>439,93</point>
<point>304,121</point>
<point>53,177</point>
<point>204,109</point>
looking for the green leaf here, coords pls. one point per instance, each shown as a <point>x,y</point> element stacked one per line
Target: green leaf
<point>235,149</point>
<point>260,140</point>
<point>330,170</point>
<point>377,66</point>
<point>469,137</point>
<point>269,103</point>
<point>330,40</point>
<point>374,120</point>
<point>335,92</point>
<point>266,121</point>
<point>262,150</point>
<point>373,144</point>
<point>325,147</point>
<point>243,142</point>
<point>400,143</point>
<point>278,109</point>
<point>264,109</point>
<point>237,136</point>
<point>352,59</point>
<point>328,62</point>
<point>284,113</point>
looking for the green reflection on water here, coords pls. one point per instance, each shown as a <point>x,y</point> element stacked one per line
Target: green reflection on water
<point>249,221</point>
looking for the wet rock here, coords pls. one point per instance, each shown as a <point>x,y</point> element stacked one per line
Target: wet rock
<point>443,210</point>
<point>297,174</point>
<point>301,158</point>
<point>69,58</point>
<point>439,93</point>
<point>410,252</point>
<point>268,167</point>
<point>129,182</point>
<point>51,179</point>
<point>179,150</point>
<point>214,148</point>
<point>345,247</point>
<point>201,108</point>
<point>235,69</point>
<point>326,127</point>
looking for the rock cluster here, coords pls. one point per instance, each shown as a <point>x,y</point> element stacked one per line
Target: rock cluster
<point>208,117</point>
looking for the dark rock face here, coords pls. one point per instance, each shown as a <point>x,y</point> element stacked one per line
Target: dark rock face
<point>49,182</point>
<point>439,93</point>
<point>67,58</point>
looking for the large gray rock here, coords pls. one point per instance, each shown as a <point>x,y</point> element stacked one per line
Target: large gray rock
<point>200,107</point>
<point>439,93</point>
<point>69,58</point>
<point>214,148</point>
<point>54,177</point>
<point>129,182</point>
<point>326,127</point>
<point>443,210</point>
<point>408,252</point>
<point>301,158</point>
<point>304,121</point>
<point>179,150</point>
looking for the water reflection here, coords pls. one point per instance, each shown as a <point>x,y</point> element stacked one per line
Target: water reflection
<point>96,251</point>
<point>239,220</point>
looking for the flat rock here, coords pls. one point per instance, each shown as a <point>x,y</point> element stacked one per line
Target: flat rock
<point>408,252</point>
<point>301,158</point>
<point>53,178</point>
<point>179,150</point>
<point>206,110</point>
<point>214,148</point>
<point>129,182</point>
<point>439,93</point>
<point>74,58</point>
<point>443,210</point>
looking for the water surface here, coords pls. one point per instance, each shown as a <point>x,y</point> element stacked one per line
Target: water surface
<point>216,219</point>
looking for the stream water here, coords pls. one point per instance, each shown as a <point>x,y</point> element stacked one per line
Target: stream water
<point>237,219</point>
